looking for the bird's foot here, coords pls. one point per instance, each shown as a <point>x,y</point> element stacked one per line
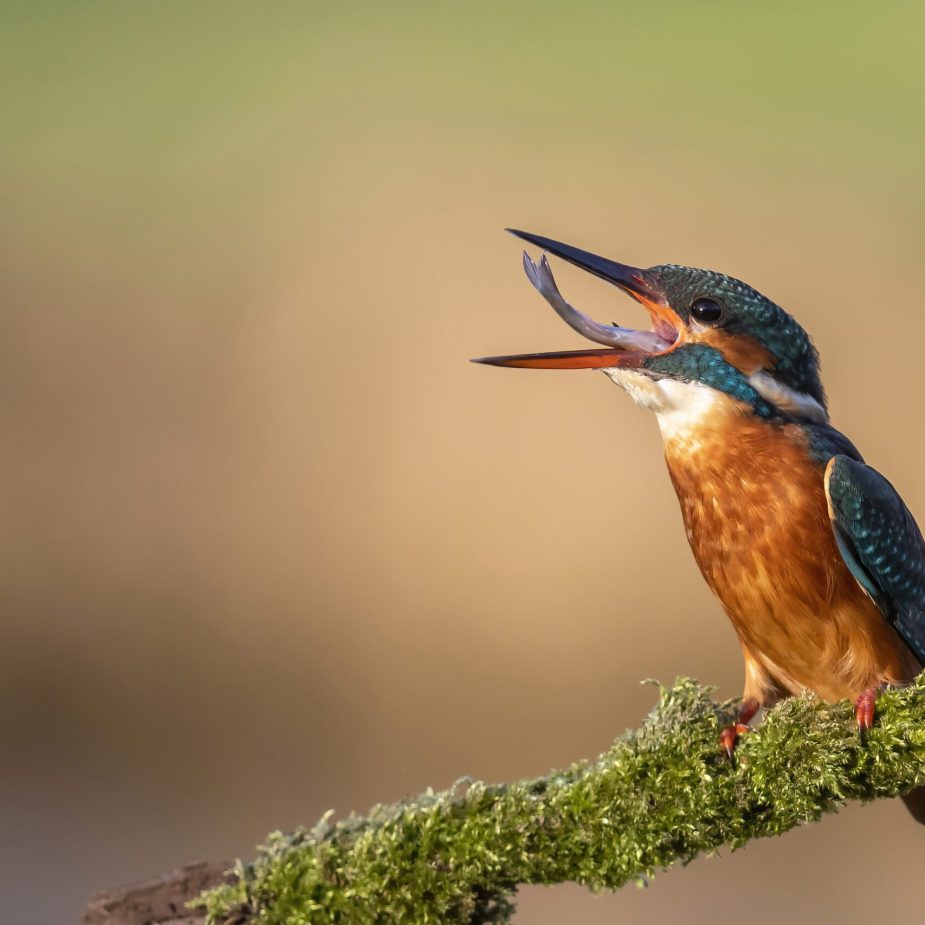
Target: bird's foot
<point>731,734</point>
<point>865,709</point>
<point>729,737</point>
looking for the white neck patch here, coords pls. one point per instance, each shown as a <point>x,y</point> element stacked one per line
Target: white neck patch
<point>787,399</point>
<point>681,407</point>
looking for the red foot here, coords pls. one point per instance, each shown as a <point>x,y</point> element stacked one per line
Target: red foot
<point>865,708</point>
<point>730,735</point>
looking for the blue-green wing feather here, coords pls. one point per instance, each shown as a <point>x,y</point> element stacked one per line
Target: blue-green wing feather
<point>881,545</point>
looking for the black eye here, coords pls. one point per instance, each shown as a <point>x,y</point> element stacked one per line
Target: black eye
<point>706,311</point>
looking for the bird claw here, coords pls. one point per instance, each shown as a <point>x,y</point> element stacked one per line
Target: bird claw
<point>865,709</point>
<point>730,736</point>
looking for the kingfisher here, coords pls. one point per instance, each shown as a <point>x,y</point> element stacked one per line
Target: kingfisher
<point>812,553</point>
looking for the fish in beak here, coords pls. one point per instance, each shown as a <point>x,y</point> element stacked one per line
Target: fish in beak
<point>622,346</point>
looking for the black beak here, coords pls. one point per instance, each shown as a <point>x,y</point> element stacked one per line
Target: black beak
<point>630,279</point>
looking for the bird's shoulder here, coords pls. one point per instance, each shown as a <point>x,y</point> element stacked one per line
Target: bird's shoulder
<point>824,441</point>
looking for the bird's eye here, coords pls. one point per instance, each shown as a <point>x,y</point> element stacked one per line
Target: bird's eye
<point>706,311</point>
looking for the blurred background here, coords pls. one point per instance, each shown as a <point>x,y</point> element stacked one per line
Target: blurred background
<point>270,543</point>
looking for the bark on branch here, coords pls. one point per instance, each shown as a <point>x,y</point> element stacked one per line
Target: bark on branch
<point>661,794</point>
<point>161,901</point>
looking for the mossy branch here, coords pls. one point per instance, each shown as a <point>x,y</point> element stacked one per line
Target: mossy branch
<point>661,794</point>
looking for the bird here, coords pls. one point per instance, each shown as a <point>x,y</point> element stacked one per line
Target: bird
<point>812,553</point>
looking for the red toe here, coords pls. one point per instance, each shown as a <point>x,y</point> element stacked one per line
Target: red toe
<point>865,708</point>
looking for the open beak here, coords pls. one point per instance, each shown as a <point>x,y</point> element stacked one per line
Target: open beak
<point>622,346</point>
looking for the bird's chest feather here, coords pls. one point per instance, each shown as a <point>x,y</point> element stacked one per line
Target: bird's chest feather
<point>754,507</point>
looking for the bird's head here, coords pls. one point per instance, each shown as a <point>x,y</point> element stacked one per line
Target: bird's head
<point>708,331</point>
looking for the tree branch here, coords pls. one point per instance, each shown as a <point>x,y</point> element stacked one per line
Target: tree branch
<point>661,794</point>
<point>157,902</point>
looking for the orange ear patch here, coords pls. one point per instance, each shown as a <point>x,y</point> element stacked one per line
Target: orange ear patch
<point>739,350</point>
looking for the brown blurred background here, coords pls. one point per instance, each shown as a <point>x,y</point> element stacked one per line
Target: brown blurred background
<point>270,543</point>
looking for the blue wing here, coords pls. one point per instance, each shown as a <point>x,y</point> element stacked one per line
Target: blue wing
<point>881,544</point>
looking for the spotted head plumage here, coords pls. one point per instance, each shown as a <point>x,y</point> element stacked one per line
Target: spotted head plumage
<point>742,313</point>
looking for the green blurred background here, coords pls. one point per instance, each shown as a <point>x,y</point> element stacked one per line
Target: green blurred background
<point>271,544</point>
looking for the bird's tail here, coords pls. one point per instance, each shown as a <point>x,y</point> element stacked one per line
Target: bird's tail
<point>915,803</point>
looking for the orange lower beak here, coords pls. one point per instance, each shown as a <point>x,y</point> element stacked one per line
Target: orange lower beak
<point>567,359</point>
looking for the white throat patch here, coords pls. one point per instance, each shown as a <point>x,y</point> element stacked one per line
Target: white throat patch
<point>681,407</point>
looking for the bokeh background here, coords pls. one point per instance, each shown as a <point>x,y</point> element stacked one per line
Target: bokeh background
<point>270,543</point>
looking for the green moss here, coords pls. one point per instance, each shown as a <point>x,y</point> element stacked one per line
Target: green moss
<point>661,794</point>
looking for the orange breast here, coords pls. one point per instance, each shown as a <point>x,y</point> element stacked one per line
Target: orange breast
<point>754,507</point>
